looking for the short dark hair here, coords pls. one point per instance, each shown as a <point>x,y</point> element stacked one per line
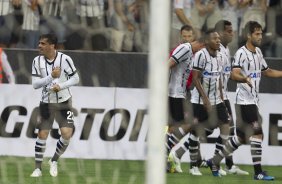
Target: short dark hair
<point>51,38</point>
<point>221,24</point>
<point>206,35</point>
<point>186,27</point>
<point>251,27</point>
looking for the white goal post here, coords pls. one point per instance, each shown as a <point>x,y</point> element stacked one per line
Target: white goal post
<point>158,85</point>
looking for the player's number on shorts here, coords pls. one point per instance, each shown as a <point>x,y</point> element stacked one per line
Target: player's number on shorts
<point>70,115</point>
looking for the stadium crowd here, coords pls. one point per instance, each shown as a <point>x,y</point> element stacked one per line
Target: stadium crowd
<point>122,25</point>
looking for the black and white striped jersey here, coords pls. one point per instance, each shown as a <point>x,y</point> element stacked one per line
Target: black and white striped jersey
<point>90,8</point>
<point>41,77</point>
<point>251,64</point>
<point>53,8</point>
<point>182,56</point>
<point>226,70</point>
<point>211,68</point>
<point>30,18</point>
<point>6,7</point>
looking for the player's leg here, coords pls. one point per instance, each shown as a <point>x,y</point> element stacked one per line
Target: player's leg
<point>230,145</point>
<point>251,115</point>
<point>64,117</point>
<point>200,115</point>
<point>46,120</point>
<point>230,167</point>
<point>178,106</point>
<point>177,132</point>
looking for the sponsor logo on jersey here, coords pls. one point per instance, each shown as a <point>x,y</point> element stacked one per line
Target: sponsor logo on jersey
<point>255,75</point>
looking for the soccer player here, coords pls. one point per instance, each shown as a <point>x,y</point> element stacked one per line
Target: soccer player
<point>247,69</point>
<point>186,35</point>
<point>55,73</point>
<point>224,29</point>
<point>180,67</point>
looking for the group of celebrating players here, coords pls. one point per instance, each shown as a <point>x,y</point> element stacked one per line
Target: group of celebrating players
<point>208,64</point>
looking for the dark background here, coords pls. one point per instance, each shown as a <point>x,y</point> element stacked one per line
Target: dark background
<point>110,69</point>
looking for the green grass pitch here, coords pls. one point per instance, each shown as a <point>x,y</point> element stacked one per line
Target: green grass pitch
<point>16,170</point>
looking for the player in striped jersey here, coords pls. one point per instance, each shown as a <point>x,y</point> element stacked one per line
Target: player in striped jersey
<point>224,28</point>
<point>248,66</point>
<point>180,67</point>
<point>55,73</point>
<point>209,109</point>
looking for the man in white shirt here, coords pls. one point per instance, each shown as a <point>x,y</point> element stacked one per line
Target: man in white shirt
<point>55,73</point>
<point>247,69</point>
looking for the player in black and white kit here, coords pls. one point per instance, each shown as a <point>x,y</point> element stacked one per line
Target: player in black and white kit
<point>207,100</point>
<point>247,69</point>
<point>55,73</point>
<point>180,67</point>
<point>224,29</point>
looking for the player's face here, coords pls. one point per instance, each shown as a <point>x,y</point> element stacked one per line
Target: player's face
<point>227,35</point>
<point>44,46</point>
<point>256,37</point>
<point>187,36</point>
<point>214,41</point>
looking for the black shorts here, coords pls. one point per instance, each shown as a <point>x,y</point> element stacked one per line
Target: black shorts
<point>217,115</point>
<point>177,109</point>
<point>61,112</point>
<point>246,116</point>
<point>247,113</point>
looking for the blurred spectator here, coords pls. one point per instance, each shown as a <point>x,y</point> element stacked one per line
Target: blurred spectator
<point>181,15</point>
<point>91,15</point>
<point>30,28</point>
<point>205,14</point>
<point>126,22</point>
<point>53,19</point>
<point>18,21</point>
<point>229,12</point>
<point>7,20</point>
<point>278,31</point>
<point>5,68</point>
<point>254,10</point>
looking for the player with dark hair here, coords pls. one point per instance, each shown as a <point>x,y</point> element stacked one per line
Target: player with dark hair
<point>55,73</point>
<point>224,29</point>
<point>247,69</point>
<point>180,66</point>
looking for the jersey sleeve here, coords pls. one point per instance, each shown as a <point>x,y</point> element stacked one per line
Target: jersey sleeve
<point>70,70</point>
<point>181,53</point>
<point>199,61</point>
<point>35,68</point>
<point>239,59</point>
<point>37,80</point>
<point>264,65</point>
<point>69,67</point>
<point>178,4</point>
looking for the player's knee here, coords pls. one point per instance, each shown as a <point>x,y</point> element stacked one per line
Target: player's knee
<point>67,134</point>
<point>241,135</point>
<point>257,128</point>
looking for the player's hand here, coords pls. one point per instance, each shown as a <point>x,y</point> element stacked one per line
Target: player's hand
<point>56,72</point>
<point>207,104</point>
<point>55,88</point>
<point>249,81</point>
